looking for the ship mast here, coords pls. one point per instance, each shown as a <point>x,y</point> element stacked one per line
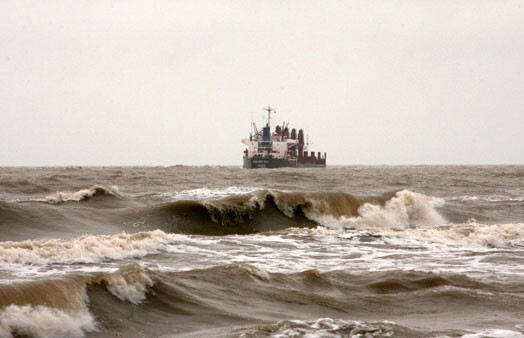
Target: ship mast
<point>269,111</point>
<point>307,142</point>
<point>251,135</point>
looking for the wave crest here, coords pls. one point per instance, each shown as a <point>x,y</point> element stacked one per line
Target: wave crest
<point>268,210</point>
<point>77,196</point>
<point>405,209</point>
<point>130,283</point>
<point>59,307</point>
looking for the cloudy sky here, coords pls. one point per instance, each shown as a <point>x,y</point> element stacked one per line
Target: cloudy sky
<point>175,82</point>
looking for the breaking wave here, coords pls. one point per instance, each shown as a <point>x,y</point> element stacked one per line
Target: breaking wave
<point>268,210</point>
<point>77,196</point>
<point>60,307</point>
<point>131,284</point>
<point>238,213</point>
<point>79,303</point>
<point>406,209</point>
<point>415,214</point>
<point>42,321</point>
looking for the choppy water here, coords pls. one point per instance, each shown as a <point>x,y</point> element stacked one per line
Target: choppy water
<point>376,251</point>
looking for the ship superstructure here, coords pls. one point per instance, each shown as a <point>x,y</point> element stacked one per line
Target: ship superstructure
<point>279,148</point>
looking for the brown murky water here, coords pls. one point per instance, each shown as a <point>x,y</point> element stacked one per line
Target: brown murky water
<point>405,251</point>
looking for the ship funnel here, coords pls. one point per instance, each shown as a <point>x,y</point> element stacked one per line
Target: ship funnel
<point>301,137</point>
<point>285,133</point>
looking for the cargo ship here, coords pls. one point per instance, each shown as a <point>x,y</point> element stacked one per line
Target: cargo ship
<point>279,148</point>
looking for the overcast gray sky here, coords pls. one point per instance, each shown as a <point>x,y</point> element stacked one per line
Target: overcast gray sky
<point>175,82</point>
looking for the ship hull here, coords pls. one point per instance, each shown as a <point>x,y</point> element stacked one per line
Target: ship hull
<point>266,162</point>
<point>271,162</point>
<point>310,165</point>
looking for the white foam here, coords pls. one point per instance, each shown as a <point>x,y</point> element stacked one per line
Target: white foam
<point>130,286</point>
<point>328,327</point>
<point>86,249</point>
<point>487,198</point>
<point>259,273</point>
<point>470,234</point>
<point>406,209</point>
<point>443,249</point>
<point>42,321</point>
<point>495,333</point>
<point>205,193</point>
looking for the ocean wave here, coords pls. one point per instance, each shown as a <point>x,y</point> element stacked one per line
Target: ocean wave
<point>60,307</point>
<point>43,321</point>
<point>239,212</point>
<point>130,283</point>
<point>337,282</point>
<point>239,207</point>
<point>86,249</point>
<point>77,196</point>
<point>406,209</point>
<point>55,307</point>
<point>224,294</point>
<point>268,210</point>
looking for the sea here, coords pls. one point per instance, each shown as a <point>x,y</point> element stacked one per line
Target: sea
<point>212,251</point>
